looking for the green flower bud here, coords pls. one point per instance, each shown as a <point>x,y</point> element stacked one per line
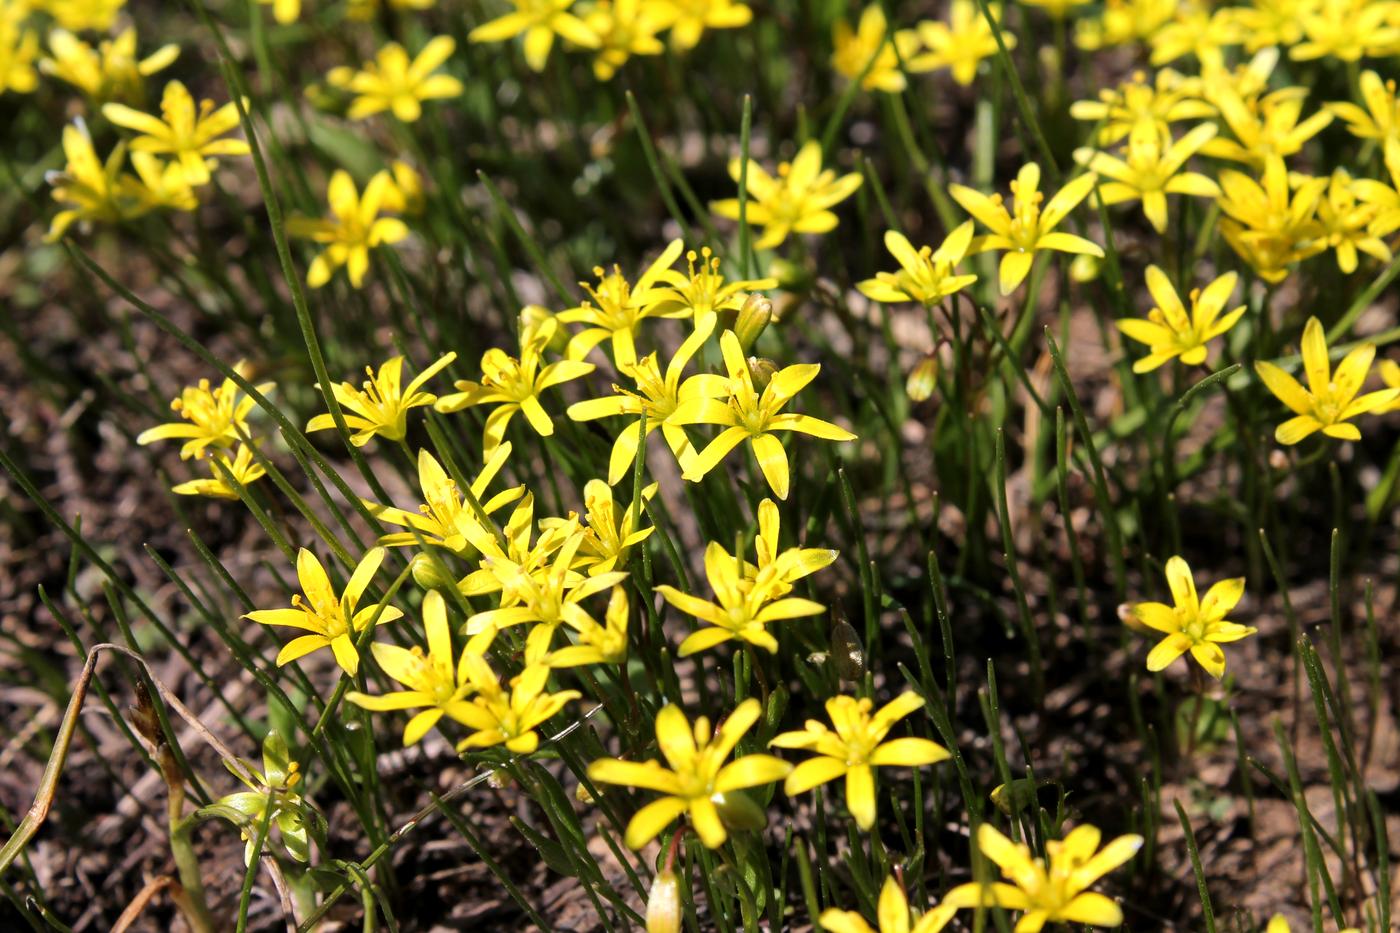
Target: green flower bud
<point>762,372</point>
<point>1085,268</point>
<point>753,319</point>
<point>738,811</point>
<point>428,573</point>
<point>847,653</point>
<point>534,314</point>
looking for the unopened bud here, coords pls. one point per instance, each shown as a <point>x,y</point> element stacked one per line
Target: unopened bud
<point>738,811</point>
<point>923,379</point>
<point>429,573</point>
<point>533,316</point>
<point>847,653</point>
<point>664,903</point>
<point>1127,614</point>
<point>1020,794</point>
<point>753,319</point>
<point>762,372</point>
<point>1085,268</point>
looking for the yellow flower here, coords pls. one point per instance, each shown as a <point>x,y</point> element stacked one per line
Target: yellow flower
<point>364,11</point>
<point>1346,224</point>
<point>433,679</point>
<point>331,620</point>
<point>625,28</point>
<point>1269,225</point>
<point>617,309</point>
<point>540,21</point>
<point>749,415</point>
<point>688,19</point>
<point>594,643</point>
<point>1390,375</point>
<point>1380,119</point>
<point>797,201</point>
<point>607,538</point>
<point>90,189</point>
<point>1349,30</point>
<point>1123,22</point>
<point>1058,9</point>
<point>1200,31</point>
<point>286,11</point>
<point>353,229</point>
<point>1278,923</point>
<point>508,717</point>
<point>925,276</point>
<point>656,398</point>
<point>158,184</point>
<point>1330,401</point>
<point>789,565</point>
<point>698,782</point>
<point>396,83</point>
<point>514,385</point>
<point>109,72</point>
<point>1056,892</point>
<point>1249,80</point>
<point>405,194</point>
<point>381,407</point>
<point>543,599</point>
<point>1264,129</point>
<point>855,748</point>
<point>1028,228</point>
<point>744,608</point>
<point>892,913</point>
<point>869,50</point>
<point>1152,171</point>
<point>701,292</point>
<point>1268,23</point>
<point>961,43</point>
<point>186,134</point>
<point>1193,624</point>
<point>1138,106</point>
<point>1383,198</point>
<point>516,551</point>
<point>19,47</point>
<point>78,15</point>
<point>1171,332</point>
<point>211,417</point>
<point>444,520</point>
<point>245,472</point>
